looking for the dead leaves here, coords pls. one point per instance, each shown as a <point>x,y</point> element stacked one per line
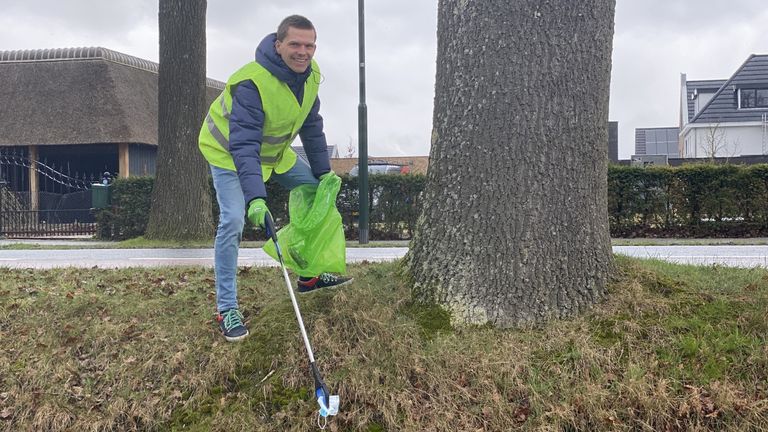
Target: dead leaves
<point>522,410</point>
<point>171,287</point>
<point>7,412</point>
<point>699,401</point>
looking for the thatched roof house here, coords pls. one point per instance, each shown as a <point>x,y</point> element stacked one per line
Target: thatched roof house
<point>55,101</point>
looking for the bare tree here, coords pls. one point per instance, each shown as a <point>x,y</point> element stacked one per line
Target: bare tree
<point>514,227</point>
<point>181,199</point>
<point>716,144</point>
<point>351,149</point>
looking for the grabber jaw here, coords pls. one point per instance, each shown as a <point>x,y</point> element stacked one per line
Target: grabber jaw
<point>329,404</point>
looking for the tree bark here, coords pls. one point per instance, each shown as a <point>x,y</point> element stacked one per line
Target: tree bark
<point>181,199</point>
<point>514,227</point>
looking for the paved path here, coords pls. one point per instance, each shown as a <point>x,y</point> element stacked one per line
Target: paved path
<point>116,258</point>
<point>735,256</point>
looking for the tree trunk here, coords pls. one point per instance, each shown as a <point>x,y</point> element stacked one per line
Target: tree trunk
<point>181,199</point>
<point>514,225</point>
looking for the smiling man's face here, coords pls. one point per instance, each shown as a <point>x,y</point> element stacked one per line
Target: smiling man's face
<point>297,48</point>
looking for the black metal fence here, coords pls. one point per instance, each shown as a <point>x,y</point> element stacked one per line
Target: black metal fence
<point>61,207</point>
<point>57,215</point>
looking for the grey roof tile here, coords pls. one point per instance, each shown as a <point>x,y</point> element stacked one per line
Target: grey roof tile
<point>722,107</point>
<point>698,87</point>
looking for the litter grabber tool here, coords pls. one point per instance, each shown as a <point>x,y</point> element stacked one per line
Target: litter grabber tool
<point>329,404</point>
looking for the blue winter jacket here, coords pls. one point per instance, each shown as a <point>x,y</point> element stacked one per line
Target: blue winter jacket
<point>246,122</point>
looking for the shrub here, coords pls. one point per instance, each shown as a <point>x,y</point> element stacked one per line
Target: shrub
<point>697,200</point>
<point>393,209</point>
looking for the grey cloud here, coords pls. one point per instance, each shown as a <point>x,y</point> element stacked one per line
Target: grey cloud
<point>90,16</point>
<point>678,16</point>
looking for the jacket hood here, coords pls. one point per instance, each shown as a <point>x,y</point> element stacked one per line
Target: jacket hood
<point>267,56</point>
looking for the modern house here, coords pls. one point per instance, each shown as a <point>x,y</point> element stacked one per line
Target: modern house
<point>726,118</point>
<point>657,141</point>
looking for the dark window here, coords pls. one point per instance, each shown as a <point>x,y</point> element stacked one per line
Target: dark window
<point>747,98</point>
<point>754,98</point>
<point>761,99</point>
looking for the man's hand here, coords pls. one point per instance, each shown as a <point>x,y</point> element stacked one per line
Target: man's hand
<point>329,173</point>
<point>257,212</point>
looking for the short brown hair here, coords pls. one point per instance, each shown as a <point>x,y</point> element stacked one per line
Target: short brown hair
<point>295,21</point>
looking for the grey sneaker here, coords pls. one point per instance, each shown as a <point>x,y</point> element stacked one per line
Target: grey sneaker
<point>231,325</point>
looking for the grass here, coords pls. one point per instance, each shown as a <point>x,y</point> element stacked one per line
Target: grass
<point>671,348</point>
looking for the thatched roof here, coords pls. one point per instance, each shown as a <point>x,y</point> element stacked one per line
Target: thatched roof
<point>79,96</point>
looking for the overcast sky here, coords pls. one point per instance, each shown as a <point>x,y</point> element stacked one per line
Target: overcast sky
<point>655,41</point>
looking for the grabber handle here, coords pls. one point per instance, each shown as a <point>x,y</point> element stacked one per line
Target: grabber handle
<point>269,226</point>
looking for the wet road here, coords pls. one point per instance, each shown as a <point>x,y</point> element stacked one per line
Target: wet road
<point>117,258</point>
<point>731,256</point>
<point>735,256</point>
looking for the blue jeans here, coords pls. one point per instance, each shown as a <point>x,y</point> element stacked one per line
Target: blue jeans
<point>231,201</point>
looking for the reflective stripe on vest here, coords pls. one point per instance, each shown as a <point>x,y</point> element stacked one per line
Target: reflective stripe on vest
<point>219,137</point>
<point>224,110</point>
<point>277,140</point>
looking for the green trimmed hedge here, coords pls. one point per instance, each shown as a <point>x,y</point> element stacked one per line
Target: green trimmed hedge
<point>697,200</point>
<point>128,213</point>
<point>393,209</point>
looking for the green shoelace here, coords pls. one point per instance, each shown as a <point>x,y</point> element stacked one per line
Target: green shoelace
<point>232,318</point>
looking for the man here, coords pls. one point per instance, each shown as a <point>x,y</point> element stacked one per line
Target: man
<point>246,139</point>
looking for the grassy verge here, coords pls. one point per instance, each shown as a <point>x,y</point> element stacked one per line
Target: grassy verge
<point>672,348</point>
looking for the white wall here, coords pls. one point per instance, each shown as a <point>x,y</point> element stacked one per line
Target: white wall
<point>728,141</point>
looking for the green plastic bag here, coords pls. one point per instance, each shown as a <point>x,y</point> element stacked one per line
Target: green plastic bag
<point>313,242</point>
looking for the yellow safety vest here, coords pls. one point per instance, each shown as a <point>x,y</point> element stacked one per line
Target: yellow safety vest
<point>283,118</point>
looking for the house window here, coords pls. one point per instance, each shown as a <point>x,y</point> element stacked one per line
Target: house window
<point>761,97</point>
<point>753,98</point>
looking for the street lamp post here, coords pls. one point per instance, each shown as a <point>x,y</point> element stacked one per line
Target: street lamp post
<point>362,133</point>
